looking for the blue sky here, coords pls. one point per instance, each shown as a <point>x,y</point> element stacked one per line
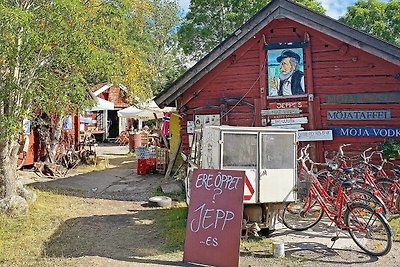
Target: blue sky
<point>334,8</point>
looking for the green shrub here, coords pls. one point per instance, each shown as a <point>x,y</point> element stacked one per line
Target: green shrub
<point>391,148</point>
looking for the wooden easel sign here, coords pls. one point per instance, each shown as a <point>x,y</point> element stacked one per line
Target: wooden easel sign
<point>214,222</point>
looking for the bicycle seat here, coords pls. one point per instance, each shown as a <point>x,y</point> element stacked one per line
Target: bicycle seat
<point>348,170</point>
<point>332,166</point>
<point>375,168</point>
<point>347,183</point>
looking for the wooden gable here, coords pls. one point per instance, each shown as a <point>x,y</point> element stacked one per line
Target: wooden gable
<point>344,70</point>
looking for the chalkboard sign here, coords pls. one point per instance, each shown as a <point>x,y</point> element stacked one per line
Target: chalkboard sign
<point>215,217</point>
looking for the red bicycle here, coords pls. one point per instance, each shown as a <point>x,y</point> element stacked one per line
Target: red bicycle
<point>367,226</point>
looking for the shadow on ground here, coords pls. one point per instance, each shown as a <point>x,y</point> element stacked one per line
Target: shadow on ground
<point>123,237</point>
<point>114,183</point>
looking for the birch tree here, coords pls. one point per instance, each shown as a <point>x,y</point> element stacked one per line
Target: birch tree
<point>50,52</point>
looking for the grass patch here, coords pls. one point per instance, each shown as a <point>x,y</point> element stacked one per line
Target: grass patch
<point>22,237</point>
<point>173,222</point>
<point>255,244</point>
<point>395,224</point>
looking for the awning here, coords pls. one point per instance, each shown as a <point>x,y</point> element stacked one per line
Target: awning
<point>102,105</point>
<point>146,112</point>
<point>129,112</point>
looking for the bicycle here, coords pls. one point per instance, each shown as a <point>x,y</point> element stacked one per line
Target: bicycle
<point>383,187</point>
<point>331,175</point>
<point>367,226</point>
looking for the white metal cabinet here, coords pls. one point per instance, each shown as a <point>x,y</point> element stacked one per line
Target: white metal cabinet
<point>267,155</point>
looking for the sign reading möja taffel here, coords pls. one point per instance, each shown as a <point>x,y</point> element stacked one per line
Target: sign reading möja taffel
<point>367,98</point>
<point>352,115</point>
<point>366,132</point>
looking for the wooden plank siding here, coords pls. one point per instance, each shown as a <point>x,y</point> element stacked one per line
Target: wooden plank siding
<point>330,67</point>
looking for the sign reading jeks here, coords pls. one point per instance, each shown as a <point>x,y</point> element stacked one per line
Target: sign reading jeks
<point>363,115</point>
<point>280,105</point>
<point>366,132</point>
<point>367,98</point>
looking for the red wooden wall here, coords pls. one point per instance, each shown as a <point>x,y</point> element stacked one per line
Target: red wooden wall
<point>330,67</point>
<point>115,95</point>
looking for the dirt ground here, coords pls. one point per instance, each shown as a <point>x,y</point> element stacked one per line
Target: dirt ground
<point>114,232</point>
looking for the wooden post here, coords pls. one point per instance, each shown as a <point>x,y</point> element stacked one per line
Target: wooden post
<point>262,73</point>
<point>318,123</point>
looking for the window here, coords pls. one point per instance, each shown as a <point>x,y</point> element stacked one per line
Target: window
<point>240,151</point>
<point>277,142</point>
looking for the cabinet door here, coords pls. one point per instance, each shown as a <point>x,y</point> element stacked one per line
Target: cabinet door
<point>277,167</point>
<point>239,152</point>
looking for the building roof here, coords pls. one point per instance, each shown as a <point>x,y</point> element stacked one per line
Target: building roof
<point>275,10</point>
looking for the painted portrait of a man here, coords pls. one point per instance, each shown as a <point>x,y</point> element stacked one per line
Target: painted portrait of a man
<point>285,72</point>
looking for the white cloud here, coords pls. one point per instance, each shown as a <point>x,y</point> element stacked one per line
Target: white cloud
<point>335,8</point>
<point>184,4</point>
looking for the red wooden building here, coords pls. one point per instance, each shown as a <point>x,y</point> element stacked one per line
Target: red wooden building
<point>348,82</point>
<point>106,123</point>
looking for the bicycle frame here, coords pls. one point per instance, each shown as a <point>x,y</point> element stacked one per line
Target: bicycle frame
<point>369,180</point>
<point>332,206</point>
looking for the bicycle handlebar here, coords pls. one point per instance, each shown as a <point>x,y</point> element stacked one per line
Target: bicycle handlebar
<point>341,149</point>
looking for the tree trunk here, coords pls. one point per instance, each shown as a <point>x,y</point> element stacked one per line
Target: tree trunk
<point>13,196</point>
<point>55,139</point>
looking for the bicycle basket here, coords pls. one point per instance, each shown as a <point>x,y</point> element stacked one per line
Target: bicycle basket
<point>303,186</point>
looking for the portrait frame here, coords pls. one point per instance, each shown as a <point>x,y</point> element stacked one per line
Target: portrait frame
<point>285,85</point>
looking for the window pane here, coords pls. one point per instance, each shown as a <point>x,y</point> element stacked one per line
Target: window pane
<point>240,150</point>
<point>277,151</point>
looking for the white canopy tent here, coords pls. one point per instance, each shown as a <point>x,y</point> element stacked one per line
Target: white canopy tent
<point>146,113</point>
<point>129,112</point>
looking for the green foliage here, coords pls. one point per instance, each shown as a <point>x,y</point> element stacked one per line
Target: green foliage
<point>376,18</point>
<point>159,41</point>
<point>391,148</point>
<point>52,51</point>
<point>210,22</point>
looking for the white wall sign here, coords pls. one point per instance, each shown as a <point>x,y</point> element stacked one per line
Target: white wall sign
<point>265,112</point>
<point>289,126</point>
<point>205,120</point>
<point>317,135</point>
<point>285,121</point>
<point>190,127</point>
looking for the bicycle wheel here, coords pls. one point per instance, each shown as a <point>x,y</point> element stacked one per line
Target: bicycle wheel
<point>366,197</point>
<point>300,216</point>
<point>385,186</point>
<point>369,230</point>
